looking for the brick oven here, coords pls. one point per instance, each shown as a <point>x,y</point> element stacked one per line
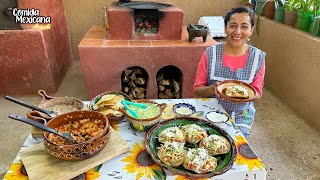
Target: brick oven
<point>144,53</point>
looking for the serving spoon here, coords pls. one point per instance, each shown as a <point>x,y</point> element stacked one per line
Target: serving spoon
<point>64,135</point>
<point>48,112</point>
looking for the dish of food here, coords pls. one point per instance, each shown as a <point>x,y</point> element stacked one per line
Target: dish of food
<point>80,131</point>
<point>144,124</point>
<point>236,91</point>
<point>217,116</point>
<point>198,162</point>
<point>215,144</point>
<point>172,134</point>
<point>109,103</point>
<point>184,109</point>
<point>193,133</point>
<point>144,113</point>
<point>172,153</point>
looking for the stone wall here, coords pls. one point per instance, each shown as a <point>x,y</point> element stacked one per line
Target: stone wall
<point>292,67</point>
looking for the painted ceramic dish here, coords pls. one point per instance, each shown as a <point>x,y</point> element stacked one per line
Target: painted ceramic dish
<point>109,103</point>
<point>217,116</point>
<point>224,161</point>
<point>144,124</point>
<point>81,150</point>
<point>184,109</point>
<point>224,86</point>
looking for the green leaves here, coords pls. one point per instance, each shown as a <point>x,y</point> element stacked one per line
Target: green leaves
<point>159,175</point>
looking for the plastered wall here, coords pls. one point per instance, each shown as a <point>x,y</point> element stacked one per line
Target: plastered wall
<point>292,67</point>
<point>82,14</point>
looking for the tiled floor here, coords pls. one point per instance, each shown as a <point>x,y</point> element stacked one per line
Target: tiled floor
<point>286,144</point>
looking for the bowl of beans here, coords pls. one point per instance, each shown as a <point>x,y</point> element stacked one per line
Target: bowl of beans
<point>89,130</point>
<point>147,117</point>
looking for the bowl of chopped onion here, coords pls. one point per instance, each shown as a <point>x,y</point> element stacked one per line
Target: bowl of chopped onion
<point>236,91</point>
<point>89,130</point>
<point>147,117</point>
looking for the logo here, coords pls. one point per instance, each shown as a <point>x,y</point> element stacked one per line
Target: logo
<point>32,16</point>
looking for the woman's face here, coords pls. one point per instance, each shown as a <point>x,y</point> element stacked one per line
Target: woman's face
<point>238,29</point>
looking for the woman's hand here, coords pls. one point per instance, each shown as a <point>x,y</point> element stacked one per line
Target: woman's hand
<point>215,90</point>
<point>258,97</point>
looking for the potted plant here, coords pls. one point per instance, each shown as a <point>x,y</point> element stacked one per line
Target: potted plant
<point>268,7</point>
<point>260,6</point>
<point>279,11</point>
<point>290,13</point>
<point>315,18</point>
<point>304,15</point>
<point>248,3</point>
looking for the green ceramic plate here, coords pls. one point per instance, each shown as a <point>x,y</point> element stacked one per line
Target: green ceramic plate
<point>225,161</point>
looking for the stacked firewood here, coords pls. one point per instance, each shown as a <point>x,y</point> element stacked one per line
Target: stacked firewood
<point>168,88</point>
<point>134,83</point>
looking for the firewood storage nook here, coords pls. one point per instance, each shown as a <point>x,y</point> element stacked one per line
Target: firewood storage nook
<point>145,52</point>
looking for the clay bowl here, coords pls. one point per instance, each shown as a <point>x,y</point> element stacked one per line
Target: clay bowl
<point>144,124</point>
<point>59,105</point>
<point>82,150</point>
<point>225,161</point>
<point>221,89</point>
<point>109,116</point>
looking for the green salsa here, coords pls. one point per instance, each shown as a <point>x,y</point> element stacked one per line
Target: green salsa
<point>145,113</point>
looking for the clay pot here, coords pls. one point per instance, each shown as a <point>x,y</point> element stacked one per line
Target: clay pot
<point>290,18</point>
<point>77,151</point>
<point>53,103</point>
<point>269,9</point>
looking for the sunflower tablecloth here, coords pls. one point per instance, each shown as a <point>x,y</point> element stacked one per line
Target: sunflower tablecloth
<point>137,164</point>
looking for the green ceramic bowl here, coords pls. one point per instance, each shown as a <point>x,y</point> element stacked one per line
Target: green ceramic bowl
<point>225,161</point>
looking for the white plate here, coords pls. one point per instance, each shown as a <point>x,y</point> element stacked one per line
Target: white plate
<point>217,116</point>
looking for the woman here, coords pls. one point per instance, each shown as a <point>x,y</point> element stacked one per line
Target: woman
<point>233,59</point>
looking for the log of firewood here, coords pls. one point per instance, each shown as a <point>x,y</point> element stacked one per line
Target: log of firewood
<point>165,82</point>
<point>127,72</point>
<point>142,96</point>
<point>125,79</point>
<point>168,93</point>
<point>139,89</point>
<point>137,71</point>
<point>133,94</point>
<point>133,76</point>
<point>177,95</point>
<point>163,96</point>
<point>175,86</point>
<point>161,87</point>
<point>126,89</point>
<point>140,81</point>
<point>131,84</point>
<point>159,77</point>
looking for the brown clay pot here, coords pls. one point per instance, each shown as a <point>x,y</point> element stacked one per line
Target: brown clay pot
<point>77,151</point>
<point>269,10</point>
<point>290,18</point>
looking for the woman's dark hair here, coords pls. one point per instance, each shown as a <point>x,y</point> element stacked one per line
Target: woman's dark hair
<point>239,9</point>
